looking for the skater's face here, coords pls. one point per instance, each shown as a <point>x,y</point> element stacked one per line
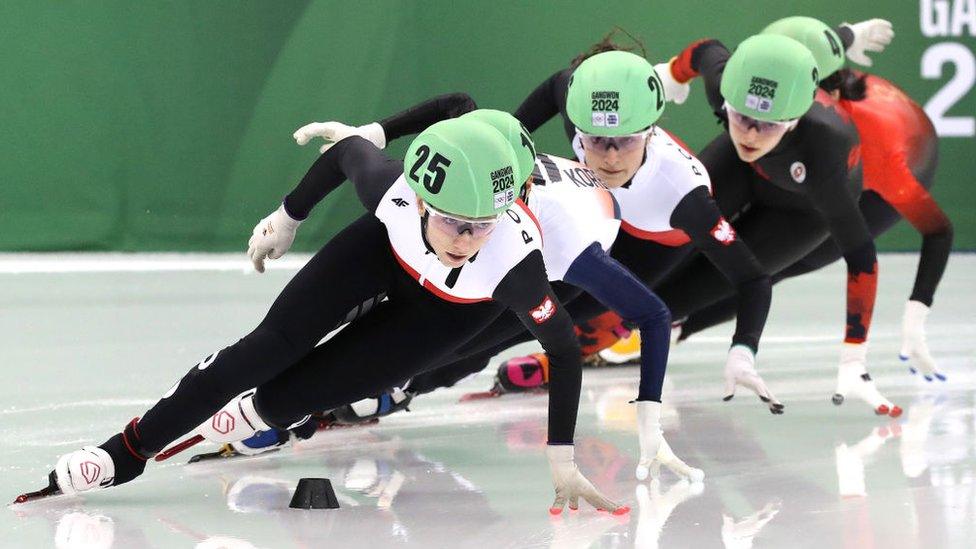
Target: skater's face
<point>615,159</point>
<point>754,138</point>
<point>454,239</point>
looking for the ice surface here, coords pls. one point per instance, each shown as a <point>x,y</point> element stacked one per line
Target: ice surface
<point>86,351</point>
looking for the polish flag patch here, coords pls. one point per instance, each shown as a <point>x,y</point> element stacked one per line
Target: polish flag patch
<point>723,232</point>
<point>544,311</point>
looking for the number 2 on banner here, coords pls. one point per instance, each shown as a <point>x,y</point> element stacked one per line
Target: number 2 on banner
<point>933,60</point>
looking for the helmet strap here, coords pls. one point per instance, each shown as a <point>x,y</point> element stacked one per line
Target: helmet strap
<point>423,231</point>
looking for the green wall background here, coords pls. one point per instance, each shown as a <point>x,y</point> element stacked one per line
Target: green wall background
<point>167,126</point>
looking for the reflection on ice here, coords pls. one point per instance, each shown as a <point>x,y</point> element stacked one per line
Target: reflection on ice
<point>915,433</point>
<point>475,475</point>
<point>224,542</point>
<point>739,534</point>
<point>655,508</point>
<point>851,459</point>
<point>77,530</point>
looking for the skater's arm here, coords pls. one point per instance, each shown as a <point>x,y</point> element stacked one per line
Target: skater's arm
<point>705,58</point>
<point>418,117</point>
<point>526,291</point>
<point>936,247</point>
<point>546,101</point>
<point>698,216</point>
<point>915,204</point>
<point>352,158</point>
<point>849,230</point>
<point>616,287</point>
<point>918,207</point>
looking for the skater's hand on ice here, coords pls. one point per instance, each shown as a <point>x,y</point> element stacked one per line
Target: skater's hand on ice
<point>271,238</point>
<point>853,380</point>
<point>571,485</point>
<point>665,456</point>
<point>740,369</point>
<point>654,450</point>
<point>333,132</point>
<point>913,344</point>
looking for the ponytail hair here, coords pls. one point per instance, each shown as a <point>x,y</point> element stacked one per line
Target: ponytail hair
<point>850,83</point>
<point>608,44</point>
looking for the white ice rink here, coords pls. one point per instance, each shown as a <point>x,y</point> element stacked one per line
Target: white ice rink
<point>91,341</point>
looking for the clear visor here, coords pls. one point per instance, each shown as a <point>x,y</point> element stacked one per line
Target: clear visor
<point>745,122</point>
<point>623,143</point>
<point>453,225</point>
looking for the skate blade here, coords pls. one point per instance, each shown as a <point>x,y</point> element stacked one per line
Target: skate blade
<point>327,425</point>
<point>617,359</point>
<point>483,395</point>
<point>48,491</point>
<point>226,451</point>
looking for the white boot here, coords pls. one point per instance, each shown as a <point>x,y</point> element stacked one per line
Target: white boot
<point>626,349</point>
<point>90,468</point>
<point>853,379</point>
<point>237,420</point>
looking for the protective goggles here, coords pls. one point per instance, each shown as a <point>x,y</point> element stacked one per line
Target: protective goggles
<point>744,122</point>
<point>454,226</point>
<point>623,143</point>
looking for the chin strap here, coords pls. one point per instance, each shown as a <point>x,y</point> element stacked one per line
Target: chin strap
<point>423,232</point>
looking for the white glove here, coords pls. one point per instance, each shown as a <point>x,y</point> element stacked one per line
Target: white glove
<point>271,238</point>
<point>654,450</point>
<point>674,91</point>
<point>740,369</point>
<point>871,35</point>
<point>570,484</point>
<point>333,132</point>
<point>87,469</point>
<point>913,344</point>
<point>853,379</point>
<point>666,457</point>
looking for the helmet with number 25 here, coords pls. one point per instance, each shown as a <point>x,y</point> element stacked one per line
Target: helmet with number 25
<point>463,167</point>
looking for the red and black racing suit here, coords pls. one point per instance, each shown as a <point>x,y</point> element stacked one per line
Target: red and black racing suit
<point>786,204</point>
<point>899,152</point>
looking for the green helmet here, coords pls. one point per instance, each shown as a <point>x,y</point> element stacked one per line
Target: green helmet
<point>817,36</point>
<point>518,137</point>
<point>770,77</point>
<point>462,167</point>
<point>614,93</point>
